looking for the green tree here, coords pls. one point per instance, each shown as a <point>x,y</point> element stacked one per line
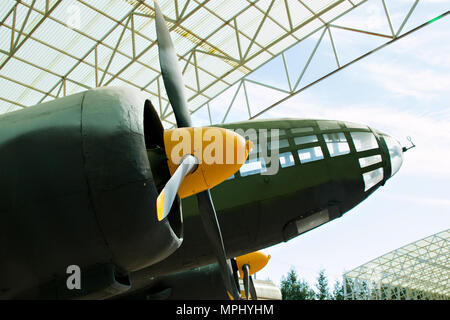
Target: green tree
<point>338,291</point>
<point>293,288</point>
<point>323,292</point>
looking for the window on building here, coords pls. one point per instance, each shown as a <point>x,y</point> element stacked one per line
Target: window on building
<point>336,143</point>
<point>310,154</point>
<point>364,141</point>
<point>286,159</point>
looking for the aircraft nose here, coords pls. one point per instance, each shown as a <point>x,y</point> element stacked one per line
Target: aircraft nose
<point>395,153</point>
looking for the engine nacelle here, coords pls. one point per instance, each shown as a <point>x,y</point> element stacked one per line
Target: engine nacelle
<point>77,188</point>
<point>203,283</point>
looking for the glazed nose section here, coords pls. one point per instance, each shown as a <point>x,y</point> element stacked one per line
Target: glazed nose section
<point>395,154</point>
<point>219,152</point>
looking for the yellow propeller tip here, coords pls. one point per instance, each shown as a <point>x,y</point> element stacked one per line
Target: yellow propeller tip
<point>160,206</point>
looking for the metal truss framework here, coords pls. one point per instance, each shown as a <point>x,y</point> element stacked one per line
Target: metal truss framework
<point>45,53</point>
<point>52,48</point>
<point>417,271</point>
<point>289,86</point>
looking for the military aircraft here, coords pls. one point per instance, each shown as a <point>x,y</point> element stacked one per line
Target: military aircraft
<point>327,168</point>
<point>89,180</point>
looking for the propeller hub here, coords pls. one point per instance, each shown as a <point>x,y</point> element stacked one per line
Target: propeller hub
<point>220,153</point>
<point>255,261</point>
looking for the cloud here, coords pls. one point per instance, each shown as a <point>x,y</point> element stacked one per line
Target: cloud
<point>420,83</point>
<point>426,201</point>
<point>369,16</point>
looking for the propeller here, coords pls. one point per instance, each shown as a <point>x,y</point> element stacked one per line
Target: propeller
<point>173,83</point>
<point>249,286</point>
<point>245,269</point>
<point>211,225</point>
<point>247,265</point>
<point>252,290</point>
<point>167,196</point>
<point>171,73</point>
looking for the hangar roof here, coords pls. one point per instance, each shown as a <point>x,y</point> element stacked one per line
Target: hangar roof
<point>52,48</point>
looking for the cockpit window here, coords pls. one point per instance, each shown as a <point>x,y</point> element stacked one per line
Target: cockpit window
<point>328,125</point>
<point>364,141</point>
<point>286,159</point>
<point>336,143</point>
<point>256,147</point>
<point>395,154</point>
<point>310,154</point>
<point>253,166</point>
<point>368,161</point>
<point>306,139</point>
<point>371,178</point>
<point>301,130</point>
<point>352,125</point>
<point>282,143</point>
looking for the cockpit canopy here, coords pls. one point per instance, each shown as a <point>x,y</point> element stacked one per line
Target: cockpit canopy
<point>395,153</point>
<point>308,142</point>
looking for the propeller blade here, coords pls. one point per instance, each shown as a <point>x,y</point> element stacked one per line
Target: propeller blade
<point>174,85</point>
<point>247,265</point>
<point>171,73</point>
<point>211,225</point>
<point>253,290</point>
<point>165,199</point>
<point>245,268</point>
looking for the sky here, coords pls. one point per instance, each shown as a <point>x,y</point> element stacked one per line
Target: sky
<point>403,90</point>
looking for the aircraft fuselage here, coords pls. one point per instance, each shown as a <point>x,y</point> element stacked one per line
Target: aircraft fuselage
<point>325,169</point>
